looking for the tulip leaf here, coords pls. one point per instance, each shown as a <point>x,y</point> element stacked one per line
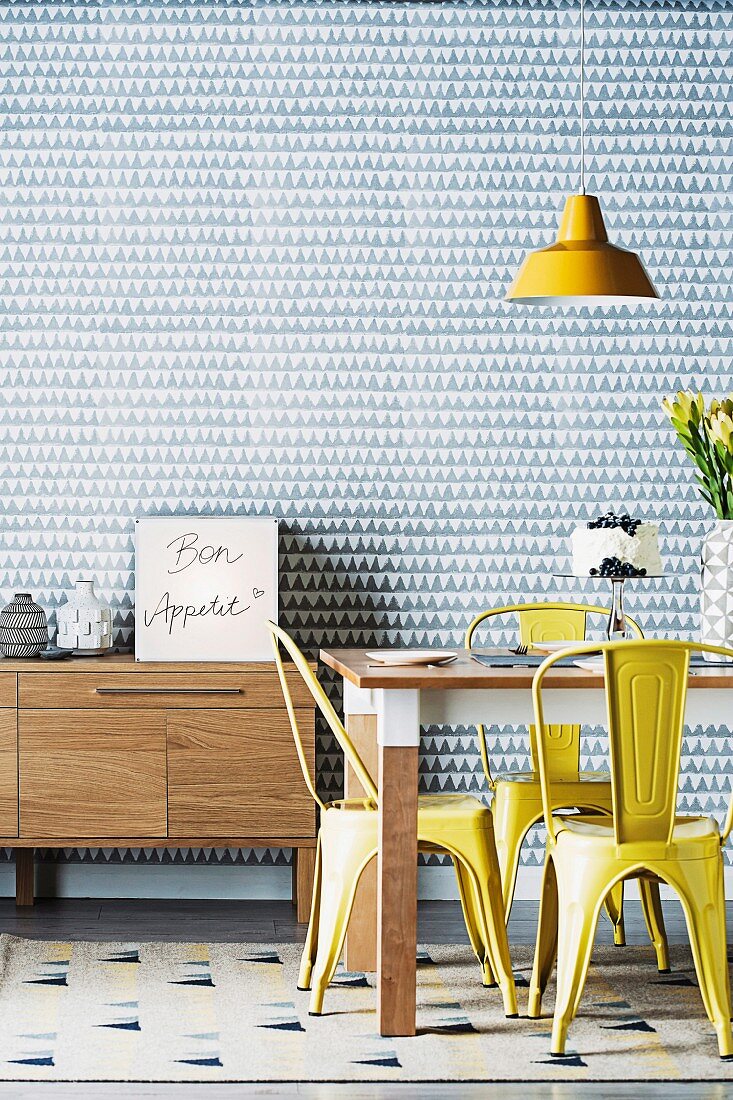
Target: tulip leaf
<point>681,427</point>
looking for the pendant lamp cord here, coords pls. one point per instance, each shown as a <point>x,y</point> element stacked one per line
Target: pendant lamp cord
<point>582,97</point>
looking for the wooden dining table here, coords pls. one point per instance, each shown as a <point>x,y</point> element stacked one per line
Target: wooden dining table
<point>385,708</point>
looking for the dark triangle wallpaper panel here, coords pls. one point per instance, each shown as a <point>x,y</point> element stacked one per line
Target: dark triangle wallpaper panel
<point>252,259</point>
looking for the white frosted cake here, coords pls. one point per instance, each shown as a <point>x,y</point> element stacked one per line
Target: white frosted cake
<point>613,546</point>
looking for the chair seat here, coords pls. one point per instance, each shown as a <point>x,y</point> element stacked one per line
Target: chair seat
<point>534,778</point>
<point>586,790</point>
<point>461,811</point>
<point>692,837</point>
<point>435,812</point>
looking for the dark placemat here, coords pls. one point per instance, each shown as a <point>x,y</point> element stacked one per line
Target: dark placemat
<point>511,660</point>
<point>534,660</point>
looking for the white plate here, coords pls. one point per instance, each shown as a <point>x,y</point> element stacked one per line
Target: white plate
<point>552,647</point>
<point>591,664</point>
<point>411,656</point>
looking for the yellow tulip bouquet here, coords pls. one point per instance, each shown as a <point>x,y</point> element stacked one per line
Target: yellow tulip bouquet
<point>706,433</point>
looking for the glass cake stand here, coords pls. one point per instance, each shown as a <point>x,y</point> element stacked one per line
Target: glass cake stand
<point>616,626</point>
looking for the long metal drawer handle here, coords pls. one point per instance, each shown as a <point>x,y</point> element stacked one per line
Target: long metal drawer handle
<point>167,691</point>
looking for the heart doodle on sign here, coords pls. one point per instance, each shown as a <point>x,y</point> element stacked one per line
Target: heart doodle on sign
<point>257,592</point>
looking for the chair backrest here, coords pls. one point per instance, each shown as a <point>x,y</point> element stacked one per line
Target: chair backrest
<point>545,622</point>
<point>281,638</point>
<point>646,692</point>
<point>548,621</point>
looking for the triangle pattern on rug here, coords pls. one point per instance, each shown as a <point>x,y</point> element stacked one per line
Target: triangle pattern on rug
<point>629,1025</point>
<point>567,1061</point>
<point>388,1061</point>
<point>36,1060</point>
<point>122,957</point>
<point>205,1061</point>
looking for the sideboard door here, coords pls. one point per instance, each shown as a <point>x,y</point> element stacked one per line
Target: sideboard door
<point>8,772</point>
<point>232,773</point>
<point>92,774</point>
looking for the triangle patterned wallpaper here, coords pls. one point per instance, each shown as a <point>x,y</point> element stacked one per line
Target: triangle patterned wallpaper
<point>252,258</point>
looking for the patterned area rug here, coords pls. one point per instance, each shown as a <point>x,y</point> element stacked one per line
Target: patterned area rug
<point>231,1012</point>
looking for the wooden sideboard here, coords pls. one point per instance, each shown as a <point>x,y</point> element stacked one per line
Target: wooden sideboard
<point>108,752</point>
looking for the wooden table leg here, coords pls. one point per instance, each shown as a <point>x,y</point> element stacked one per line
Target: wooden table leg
<point>360,951</point>
<point>304,866</point>
<point>397,712</point>
<point>397,890</point>
<point>24,876</point>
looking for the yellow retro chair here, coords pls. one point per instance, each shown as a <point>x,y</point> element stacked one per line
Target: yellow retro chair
<point>517,802</point>
<point>347,840</point>
<point>646,690</point>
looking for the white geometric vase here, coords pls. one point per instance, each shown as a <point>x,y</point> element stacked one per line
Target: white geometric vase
<point>716,619</point>
<point>84,622</point>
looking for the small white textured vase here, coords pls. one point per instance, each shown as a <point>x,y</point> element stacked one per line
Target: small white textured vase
<point>84,622</point>
<point>716,618</point>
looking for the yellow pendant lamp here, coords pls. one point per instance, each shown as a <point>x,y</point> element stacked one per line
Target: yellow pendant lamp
<point>581,267</point>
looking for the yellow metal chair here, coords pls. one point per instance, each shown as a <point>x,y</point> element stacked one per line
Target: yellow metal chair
<point>517,803</point>
<point>646,690</point>
<point>347,840</point>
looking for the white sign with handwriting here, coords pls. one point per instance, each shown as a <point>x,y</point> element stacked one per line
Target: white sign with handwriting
<point>204,586</point>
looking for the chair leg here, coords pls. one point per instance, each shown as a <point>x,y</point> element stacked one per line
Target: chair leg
<point>478,855</point>
<point>614,904</point>
<point>699,883</point>
<point>582,889</point>
<point>546,947</point>
<point>342,859</point>
<point>308,958</point>
<point>513,818</point>
<point>473,921</point>
<point>651,907</point>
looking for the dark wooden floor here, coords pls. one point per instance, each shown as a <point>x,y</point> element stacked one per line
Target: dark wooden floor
<point>266,921</point>
<point>262,922</point>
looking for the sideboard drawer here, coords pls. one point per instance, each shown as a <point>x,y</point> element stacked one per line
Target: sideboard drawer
<point>156,691</point>
<point>92,774</point>
<point>231,774</point>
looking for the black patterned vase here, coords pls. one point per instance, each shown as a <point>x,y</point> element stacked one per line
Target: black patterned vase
<point>23,627</point>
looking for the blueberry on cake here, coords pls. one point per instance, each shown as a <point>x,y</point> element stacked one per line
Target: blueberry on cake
<point>616,546</point>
